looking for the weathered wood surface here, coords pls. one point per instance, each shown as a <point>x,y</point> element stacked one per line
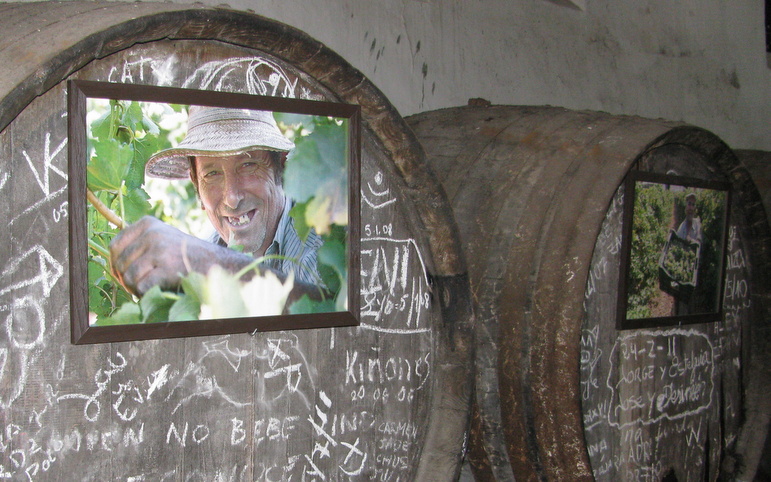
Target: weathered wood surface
<point>531,188</point>
<point>674,401</point>
<point>387,400</point>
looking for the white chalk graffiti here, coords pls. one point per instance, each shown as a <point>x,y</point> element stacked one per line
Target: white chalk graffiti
<point>353,458</point>
<point>48,273</point>
<point>93,408</point>
<point>162,71</point>
<point>43,179</point>
<point>388,286</point>
<point>287,372</point>
<point>678,385</point>
<point>377,196</point>
<point>261,76</point>
<point>48,157</point>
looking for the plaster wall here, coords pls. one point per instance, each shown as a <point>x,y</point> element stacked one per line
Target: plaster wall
<point>699,62</point>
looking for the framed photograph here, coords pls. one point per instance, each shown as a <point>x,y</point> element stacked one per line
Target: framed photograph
<point>673,250</point>
<point>202,213</point>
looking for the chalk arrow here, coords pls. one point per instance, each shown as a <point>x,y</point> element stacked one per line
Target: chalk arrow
<point>49,270</point>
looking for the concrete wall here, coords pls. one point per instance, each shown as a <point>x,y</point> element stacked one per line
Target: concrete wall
<point>702,62</point>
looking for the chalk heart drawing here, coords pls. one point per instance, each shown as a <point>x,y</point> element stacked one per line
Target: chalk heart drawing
<point>676,384</point>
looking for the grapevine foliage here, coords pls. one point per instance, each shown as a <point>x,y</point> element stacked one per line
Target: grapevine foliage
<point>680,261</point>
<point>122,135</point>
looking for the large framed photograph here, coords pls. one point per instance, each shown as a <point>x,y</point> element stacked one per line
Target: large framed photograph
<point>673,250</point>
<point>200,213</point>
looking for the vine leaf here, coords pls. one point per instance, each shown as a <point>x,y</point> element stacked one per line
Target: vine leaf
<point>320,156</point>
<point>136,203</point>
<point>155,305</point>
<point>108,167</point>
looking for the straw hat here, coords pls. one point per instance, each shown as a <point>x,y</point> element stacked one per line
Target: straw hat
<point>218,132</point>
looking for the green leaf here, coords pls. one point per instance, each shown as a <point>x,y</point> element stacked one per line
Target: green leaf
<point>300,225</point>
<point>332,254</point>
<point>101,128</point>
<point>155,306</point>
<point>136,204</point>
<point>186,308</point>
<point>305,306</point>
<point>298,121</point>
<point>128,314</point>
<point>108,167</point>
<point>194,285</point>
<point>321,157</point>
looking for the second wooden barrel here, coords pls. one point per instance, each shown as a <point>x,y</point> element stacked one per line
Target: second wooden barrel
<point>533,191</point>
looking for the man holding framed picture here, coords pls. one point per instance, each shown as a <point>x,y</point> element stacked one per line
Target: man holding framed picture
<point>235,159</point>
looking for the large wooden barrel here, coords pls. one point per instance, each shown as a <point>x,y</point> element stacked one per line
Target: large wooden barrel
<point>537,195</point>
<point>386,400</point>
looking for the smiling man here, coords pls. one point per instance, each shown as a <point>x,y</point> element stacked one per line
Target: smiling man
<point>235,159</point>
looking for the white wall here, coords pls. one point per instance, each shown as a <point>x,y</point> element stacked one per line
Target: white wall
<point>698,61</point>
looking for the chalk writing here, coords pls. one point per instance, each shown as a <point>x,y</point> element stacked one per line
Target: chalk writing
<point>388,287</point>
<point>42,175</point>
<point>685,383</point>
<point>48,166</point>
<point>102,378</point>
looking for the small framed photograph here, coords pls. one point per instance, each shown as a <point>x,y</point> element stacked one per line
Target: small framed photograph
<point>673,250</point>
<point>202,213</point>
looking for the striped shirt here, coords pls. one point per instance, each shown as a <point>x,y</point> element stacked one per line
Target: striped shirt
<point>296,256</point>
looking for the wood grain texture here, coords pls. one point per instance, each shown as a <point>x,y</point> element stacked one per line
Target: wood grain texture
<point>532,189</point>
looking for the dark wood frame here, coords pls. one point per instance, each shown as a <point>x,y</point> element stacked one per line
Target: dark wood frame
<point>82,331</point>
<point>630,189</point>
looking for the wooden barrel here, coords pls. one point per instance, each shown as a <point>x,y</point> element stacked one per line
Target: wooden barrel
<point>386,400</point>
<point>536,192</point>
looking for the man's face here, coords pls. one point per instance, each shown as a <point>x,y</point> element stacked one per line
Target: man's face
<point>690,207</point>
<point>241,198</point>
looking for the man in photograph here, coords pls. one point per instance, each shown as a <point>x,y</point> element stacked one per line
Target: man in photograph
<point>690,228</point>
<point>235,159</point>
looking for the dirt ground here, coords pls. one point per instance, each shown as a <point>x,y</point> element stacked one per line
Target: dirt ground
<point>662,305</point>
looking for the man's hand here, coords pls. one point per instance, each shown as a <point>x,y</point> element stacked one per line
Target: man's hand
<point>150,252</point>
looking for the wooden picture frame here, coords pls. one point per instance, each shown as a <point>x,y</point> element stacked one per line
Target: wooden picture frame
<point>327,127</point>
<point>672,270</point>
